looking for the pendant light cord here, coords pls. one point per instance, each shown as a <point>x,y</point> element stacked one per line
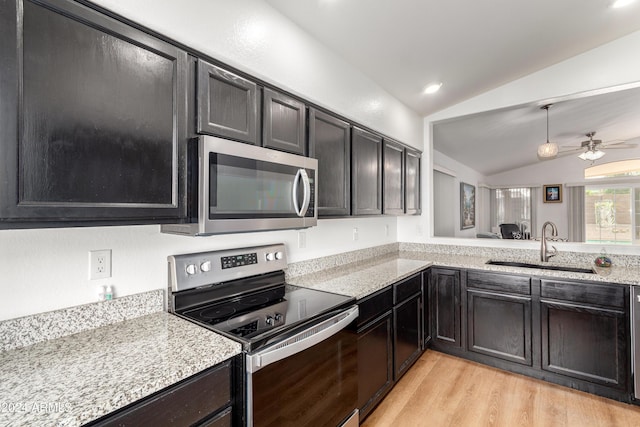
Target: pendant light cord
<point>547,108</point>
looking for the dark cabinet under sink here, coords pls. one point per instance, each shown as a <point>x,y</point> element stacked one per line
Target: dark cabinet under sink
<point>570,332</point>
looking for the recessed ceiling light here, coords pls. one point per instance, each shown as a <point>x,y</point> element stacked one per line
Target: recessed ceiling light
<point>621,3</point>
<point>432,88</point>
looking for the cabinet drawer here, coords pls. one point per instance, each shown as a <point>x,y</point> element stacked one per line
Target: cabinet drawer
<point>499,282</point>
<point>406,288</point>
<point>183,404</point>
<point>584,292</point>
<point>374,305</point>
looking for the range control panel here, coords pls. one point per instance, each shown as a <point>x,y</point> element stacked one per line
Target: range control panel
<point>239,260</point>
<point>190,271</point>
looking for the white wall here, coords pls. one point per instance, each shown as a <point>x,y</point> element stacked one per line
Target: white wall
<point>47,269</point>
<point>609,65</point>
<point>467,175</point>
<point>44,270</point>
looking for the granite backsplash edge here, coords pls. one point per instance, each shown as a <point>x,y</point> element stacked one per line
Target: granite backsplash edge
<point>28,330</point>
<point>367,255</point>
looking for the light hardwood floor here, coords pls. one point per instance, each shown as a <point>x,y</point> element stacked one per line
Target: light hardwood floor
<point>442,390</point>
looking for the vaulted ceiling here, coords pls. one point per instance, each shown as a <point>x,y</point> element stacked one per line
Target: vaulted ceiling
<point>474,46</point>
<point>470,46</point>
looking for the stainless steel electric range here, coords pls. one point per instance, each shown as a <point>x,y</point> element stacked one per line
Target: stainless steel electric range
<point>299,344</point>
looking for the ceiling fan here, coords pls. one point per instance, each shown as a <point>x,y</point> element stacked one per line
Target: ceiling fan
<point>592,148</point>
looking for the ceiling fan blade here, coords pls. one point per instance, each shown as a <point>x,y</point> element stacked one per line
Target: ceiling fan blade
<point>620,145</point>
<point>570,149</point>
<point>565,153</point>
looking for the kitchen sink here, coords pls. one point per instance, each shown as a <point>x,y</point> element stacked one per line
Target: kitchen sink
<point>542,267</point>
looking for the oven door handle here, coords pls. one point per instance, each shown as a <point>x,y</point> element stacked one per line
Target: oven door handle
<point>302,340</point>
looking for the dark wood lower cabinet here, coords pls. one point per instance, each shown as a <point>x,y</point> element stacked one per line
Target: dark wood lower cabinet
<point>569,332</point>
<point>205,399</point>
<point>585,342</point>
<point>445,307</point>
<point>390,338</point>
<point>375,362</point>
<point>407,318</point>
<point>499,325</point>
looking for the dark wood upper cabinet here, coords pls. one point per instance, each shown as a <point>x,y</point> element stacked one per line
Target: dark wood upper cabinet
<point>366,176</point>
<point>92,119</point>
<point>228,105</point>
<point>284,123</point>
<point>393,178</point>
<point>330,143</point>
<point>412,182</point>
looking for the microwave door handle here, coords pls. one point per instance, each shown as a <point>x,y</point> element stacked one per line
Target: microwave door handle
<point>301,174</point>
<point>294,192</point>
<point>307,192</point>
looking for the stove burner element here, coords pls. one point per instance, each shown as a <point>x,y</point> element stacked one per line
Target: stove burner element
<point>217,312</point>
<point>254,300</point>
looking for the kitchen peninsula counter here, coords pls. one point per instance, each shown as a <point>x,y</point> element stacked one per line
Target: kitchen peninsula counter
<point>363,278</point>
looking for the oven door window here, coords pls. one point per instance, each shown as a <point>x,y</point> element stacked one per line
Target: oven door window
<point>318,386</point>
<point>242,188</point>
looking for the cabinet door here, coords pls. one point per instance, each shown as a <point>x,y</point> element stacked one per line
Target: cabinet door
<point>445,307</point>
<point>186,403</point>
<point>92,118</point>
<point>393,178</point>
<point>366,177</point>
<point>330,143</point>
<point>375,363</point>
<point>585,342</point>
<point>412,182</point>
<point>284,123</point>
<point>426,309</point>
<point>227,104</point>
<point>499,325</point>
<point>407,320</point>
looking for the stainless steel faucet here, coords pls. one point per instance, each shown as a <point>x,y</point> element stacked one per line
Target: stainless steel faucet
<point>544,255</point>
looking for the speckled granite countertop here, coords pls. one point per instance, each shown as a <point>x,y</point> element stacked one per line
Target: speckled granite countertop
<point>362,279</point>
<point>365,278</point>
<point>75,379</point>
<point>620,275</point>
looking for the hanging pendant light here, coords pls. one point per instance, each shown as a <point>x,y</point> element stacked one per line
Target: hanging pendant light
<point>548,150</point>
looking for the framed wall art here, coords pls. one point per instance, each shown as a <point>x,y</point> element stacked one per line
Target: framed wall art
<point>552,193</point>
<point>467,206</point>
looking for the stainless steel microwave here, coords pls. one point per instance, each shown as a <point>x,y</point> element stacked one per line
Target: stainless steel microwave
<point>244,188</point>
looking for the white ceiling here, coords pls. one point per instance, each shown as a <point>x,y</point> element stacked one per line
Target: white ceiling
<point>473,46</point>
<point>470,45</point>
<point>499,140</point>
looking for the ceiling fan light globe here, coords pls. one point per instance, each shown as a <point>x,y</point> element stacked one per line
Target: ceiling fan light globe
<point>591,155</point>
<point>548,150</point>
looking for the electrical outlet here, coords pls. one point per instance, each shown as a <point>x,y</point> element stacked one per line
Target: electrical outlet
<point>302,240</point>
<point>100,264</point>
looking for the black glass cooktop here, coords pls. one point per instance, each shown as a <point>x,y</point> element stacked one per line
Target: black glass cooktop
<point>255,317</point>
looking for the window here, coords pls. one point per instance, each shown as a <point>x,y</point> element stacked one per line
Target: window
<point>512,206</point>
<point>609,215</point>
